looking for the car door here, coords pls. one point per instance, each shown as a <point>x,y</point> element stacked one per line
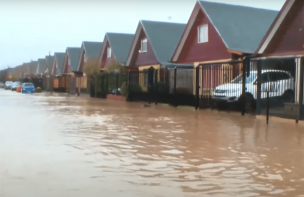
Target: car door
<point>264,84</point>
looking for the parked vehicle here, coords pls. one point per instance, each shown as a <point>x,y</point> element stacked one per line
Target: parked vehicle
<point>19,87</point>
<point>1,85</point>
<point>116,91</point>
<point>14,85</point>
<point>8,85</point>
<point>281,84</point>
<point>28,88</point>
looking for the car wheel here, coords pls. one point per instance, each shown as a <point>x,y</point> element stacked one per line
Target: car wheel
<point>288,96</point>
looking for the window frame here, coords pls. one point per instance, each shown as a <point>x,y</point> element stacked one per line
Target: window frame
<point>109,55</point>
<point>141,45</point>
<point>198,33</point>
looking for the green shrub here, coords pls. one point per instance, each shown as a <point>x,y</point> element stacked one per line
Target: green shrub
<point>124,89</point>
<point>38,90</point>
<point>135,88</point>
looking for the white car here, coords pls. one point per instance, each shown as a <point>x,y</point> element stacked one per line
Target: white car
<point>280,84</point>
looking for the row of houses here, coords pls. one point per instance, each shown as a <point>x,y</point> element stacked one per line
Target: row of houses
<point>219,42</point>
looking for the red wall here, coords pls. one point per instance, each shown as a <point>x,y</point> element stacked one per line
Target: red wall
<point>142,59</point>
<point>67,68</point>
<point>289,39</point>
<point>193,51</point>
<point>107,61</point>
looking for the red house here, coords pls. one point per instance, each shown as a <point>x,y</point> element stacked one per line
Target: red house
<point>285,37</point>
<point>115,49</point>
<point>282,48</point>
<point>69,67</point>
<point>153,46</point>
<point>217,33</point>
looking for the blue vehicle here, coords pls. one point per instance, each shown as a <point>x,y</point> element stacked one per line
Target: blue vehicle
<point>28,88</point>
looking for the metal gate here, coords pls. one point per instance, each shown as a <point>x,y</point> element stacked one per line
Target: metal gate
<point>142,84</point>
<point>277,87</point>
<point>220,85</point>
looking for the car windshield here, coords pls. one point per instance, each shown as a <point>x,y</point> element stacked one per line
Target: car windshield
<point>8,82</point>
<point>28,84</point>
<point>250,79</point>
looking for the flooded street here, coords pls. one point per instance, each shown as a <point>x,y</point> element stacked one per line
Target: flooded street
<point>68,146</point>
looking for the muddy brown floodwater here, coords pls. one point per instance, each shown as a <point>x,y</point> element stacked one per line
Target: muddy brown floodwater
<point>81,147</point>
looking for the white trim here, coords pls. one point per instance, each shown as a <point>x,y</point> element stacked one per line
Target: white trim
<point>199,33</point>
<point>135,40</point>
<point>105,41</point>
<point>276,26</point>
<point>276,57</point>
<point>186,32</point>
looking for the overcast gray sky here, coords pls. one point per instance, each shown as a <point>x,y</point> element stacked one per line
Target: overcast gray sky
<point>30,29</point>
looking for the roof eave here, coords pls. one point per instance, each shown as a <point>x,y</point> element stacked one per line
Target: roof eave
<point>274,27</point>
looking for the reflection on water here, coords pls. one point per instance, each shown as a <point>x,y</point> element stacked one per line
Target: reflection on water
<point>67,146</point>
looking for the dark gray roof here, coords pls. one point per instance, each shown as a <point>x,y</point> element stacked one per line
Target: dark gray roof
<point>33,67</point>
<point>41,66</point>
<point>60,61</point>
<point>49,60</point>
<point>92,49</point>
<point>163,38</point>
<point>241,28</point>
<point>74,53</point>
<point>120,45</point>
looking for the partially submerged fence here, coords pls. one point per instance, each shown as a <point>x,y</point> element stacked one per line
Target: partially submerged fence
<point>240,85</point>
<point>164,85</point>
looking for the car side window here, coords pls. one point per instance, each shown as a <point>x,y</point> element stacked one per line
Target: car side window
<point>277,76</point>
<point>264,78</point>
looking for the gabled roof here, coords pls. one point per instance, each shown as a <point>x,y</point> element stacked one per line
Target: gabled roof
<point>40,67</point>
<point>275,25</point>
<point>49,60</point>
<point>73,55</point>
<point>59,57</point>
<point>241,28</point>
<point>120,45</point>
<point>92,49</point>
<point>163,38</point>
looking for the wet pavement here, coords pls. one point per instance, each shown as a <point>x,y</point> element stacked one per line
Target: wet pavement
<point>81,147</point>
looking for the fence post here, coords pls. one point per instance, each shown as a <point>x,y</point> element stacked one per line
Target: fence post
<point>174,84</point>
<point>243,86</point>
<point>117,83</point>
<point>156,85</point>
<point>197,86</point>
<point>258,84</point>
<point>128,85</point>
<point>301,69</point>
<point>267,108</point>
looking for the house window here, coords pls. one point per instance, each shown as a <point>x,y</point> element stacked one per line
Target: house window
<point>144,45</point>
<point>109,52</point>
<point>203,34</point>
